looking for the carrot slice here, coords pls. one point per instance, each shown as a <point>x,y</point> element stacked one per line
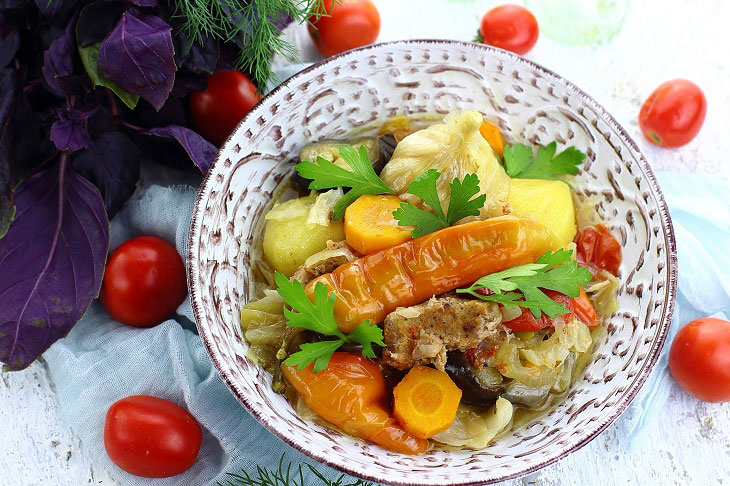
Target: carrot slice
<point>584,309</point>
<point>370,225</point>
<point>351,394</point>
<point>425,401</point>
<point>493,137</point>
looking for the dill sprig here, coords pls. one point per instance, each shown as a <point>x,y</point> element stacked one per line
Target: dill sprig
<point>285,476</point>
<point>252,24</point>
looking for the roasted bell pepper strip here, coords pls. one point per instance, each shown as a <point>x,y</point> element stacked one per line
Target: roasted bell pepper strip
<point>375,285</point>
<point>351,394</point>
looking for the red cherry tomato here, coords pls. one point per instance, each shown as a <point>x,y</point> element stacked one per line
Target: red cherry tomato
<point>673,114</point>
<point>510,27</point>
<point>598,249</point>
<point>699,359</point>
<point>217,110</point>
<point>355,23</point>
<point>526,322</point>
<point>151,437</point>
<point>144,282</point>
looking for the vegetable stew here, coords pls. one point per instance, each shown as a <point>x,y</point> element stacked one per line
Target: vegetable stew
<point>423,288</point>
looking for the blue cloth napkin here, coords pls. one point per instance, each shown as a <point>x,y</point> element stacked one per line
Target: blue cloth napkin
<point>102,361</point>
<point>700,209</point>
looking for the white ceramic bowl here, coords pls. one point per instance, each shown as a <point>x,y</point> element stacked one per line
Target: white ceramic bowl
<point>354,91</point>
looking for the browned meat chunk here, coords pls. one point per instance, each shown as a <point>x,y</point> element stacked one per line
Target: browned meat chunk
<point>423,333</point>
<point>325,261</point>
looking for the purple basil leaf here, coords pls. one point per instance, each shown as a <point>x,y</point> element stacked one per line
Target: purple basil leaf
<point>194,57</point>
<point>201,151</point>
<point>111,163</point>
<point>139,57</point>
<point>173,112</point>
<point>29,141</point>
<point>9,41</point>
<point>144,3</point>
<point>52,8</point>
<point>8,93</point>
<point>11,4</point>
<point>22,148</point>
<point>52,262</point>
<point>188,83</point>
<point>73,84</point>
<point>100,122</point>
<point>58,60</point>
<point>96,20</point>
<point>69,132</point>
<point>90,59</point>
<point>282,20</point>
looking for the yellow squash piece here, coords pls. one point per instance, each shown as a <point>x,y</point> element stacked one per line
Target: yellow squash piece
<point>289,239</point>
<point>547,202</point>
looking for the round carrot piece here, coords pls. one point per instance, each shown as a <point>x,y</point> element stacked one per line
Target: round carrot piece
<point>370,225</point>
<point>425,401</point>
<point>493,137</point>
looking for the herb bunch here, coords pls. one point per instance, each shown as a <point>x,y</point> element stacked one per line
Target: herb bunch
<point>89,89</point>
<point>253,25</point>
<point>287,476</point>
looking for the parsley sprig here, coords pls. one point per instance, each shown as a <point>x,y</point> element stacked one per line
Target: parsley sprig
<point>461,203</point>
<point>362,179</point>
<point>553,271</point>
<point>520,163</point>
<point>319,317</point>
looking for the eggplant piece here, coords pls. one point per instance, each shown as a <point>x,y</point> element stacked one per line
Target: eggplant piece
<point>387,143</point>
<point>392,376</point>
<point>472,388</point>
<point>299,183</point>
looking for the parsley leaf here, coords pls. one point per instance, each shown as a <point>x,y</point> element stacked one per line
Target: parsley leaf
<point>520,163</point>
<point>461,203</point>
<point>497,282</point>
<point>319,352</point>
<point>365,335</point>
<point>319,317</point>
<point>553,271</point>
<point>327,175</point>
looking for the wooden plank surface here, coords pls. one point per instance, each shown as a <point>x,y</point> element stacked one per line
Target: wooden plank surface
<point>660,39</point>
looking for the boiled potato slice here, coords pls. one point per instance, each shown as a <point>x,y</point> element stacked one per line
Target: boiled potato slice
<point>547,202</point>
<point>289,239</point>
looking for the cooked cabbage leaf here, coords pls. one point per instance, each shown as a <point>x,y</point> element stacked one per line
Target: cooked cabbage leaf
<point>475,428</point>
<point>455,148</point>
<point>573,336</point>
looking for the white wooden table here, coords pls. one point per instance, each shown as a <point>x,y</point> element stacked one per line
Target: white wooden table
<point>660,40</point>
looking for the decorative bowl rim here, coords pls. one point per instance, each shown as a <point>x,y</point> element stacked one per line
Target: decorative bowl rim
<point>649,361</point>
